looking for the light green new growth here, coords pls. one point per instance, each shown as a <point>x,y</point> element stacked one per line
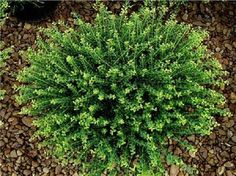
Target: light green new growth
<point>3,7</point>
<point>3,56</point>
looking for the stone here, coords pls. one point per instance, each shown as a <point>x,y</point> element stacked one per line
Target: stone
<point>192,154</point>
<point>58,169</point>
<point>191,138</point>
<point>27,121</point>
<point>221,170</point>
<point>34,164</point>
<point>212,136</point>
<point>45,170</point>
<point>185,17</point>
<point>228,46</point>
<point>229,164</point>
<point>27,26</point>
<point>221,132</point>
<point>217,49</point>
<point>181,173</point>
<point>13,154</point>
<point>233,97</point>
<point>229,134</point>
<point>25,36</point>
<point>233,139</point>
<point>117,5</point>
<point>1,124</point>
<point>19,140</point>
<point>229,123</point>
<point>174,170</point>
<point>225,32</point>
<point>75,174</point>
<point>33,153</point>
<point>87,6</point>
<point>13,121</point>
<point>232,107</point>
<point>199,23</point>
<point>2,143</point>
<point>234,44</point>
<point>225,154</point>
<point>203,152</point>
<point>218,55</point>
<point>229,173</point>
<point>26,172</point>
<point>233,149</point>
<point>211,28</point>
<point>178,151</point>
<point>19,153</point>
<point>211,161</point>
<point>19,160</point>
<point>2,113</point>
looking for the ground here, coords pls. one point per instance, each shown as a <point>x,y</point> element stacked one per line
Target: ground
<point>216,154</point>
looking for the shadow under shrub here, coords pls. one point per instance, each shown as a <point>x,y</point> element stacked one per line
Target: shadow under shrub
<point>3,7</point>
<point>108,95</point>
<point>31,10</point>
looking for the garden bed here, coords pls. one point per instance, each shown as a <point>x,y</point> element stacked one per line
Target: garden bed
<point>216,153</point>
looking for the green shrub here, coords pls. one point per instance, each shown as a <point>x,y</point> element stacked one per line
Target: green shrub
<point>3,7</point>
<point>3,55</point>
<point>109,95</point>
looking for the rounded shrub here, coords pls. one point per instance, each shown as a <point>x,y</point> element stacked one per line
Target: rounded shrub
<point>109,95</point>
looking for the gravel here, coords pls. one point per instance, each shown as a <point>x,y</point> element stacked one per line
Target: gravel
<point>216,154</point>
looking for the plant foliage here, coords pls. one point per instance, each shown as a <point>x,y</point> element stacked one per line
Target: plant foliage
<point>109,95</point>
<point>3,56</point>
<point>3,53</point>
<point>3,7</point>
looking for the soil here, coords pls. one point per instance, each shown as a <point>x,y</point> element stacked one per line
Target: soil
<point>216,154</point>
